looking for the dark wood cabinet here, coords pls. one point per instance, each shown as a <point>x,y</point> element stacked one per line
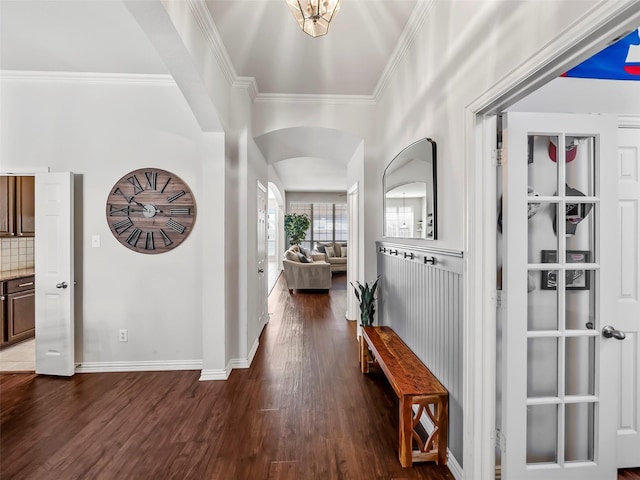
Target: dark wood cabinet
<point>17,206</point>
<point>18,310</point>
<point>25,206</point>
<point>3,320</point>
<point>7,206</point>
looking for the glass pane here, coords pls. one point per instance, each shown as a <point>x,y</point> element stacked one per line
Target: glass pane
<point>542,436</point>
<point>542,367</point>
<point>341,223</point>
<point>580,300</point>
<point>271,230</point>
<point>580,228</point>
<point>548,279</point>
<point>322,222</point>
<point>543,170</point>
<point>541,236</point>
<point>580,366</point>
<point>542,305</point>
<point>579,432</point>
<point>581,164</point>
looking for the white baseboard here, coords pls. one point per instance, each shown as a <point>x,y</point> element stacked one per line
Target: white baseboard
<point>454,466</point>
<point>214,374</point>
<point>144,366</point>
<point>223,374</point>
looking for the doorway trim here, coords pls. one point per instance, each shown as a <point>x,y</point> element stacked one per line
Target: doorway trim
<point>605,21</point>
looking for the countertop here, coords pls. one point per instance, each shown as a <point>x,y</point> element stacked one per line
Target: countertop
<point>20,272</point>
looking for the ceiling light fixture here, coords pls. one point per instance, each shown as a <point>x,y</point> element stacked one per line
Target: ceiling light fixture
<point>314,16</point>
<point>404,212</point>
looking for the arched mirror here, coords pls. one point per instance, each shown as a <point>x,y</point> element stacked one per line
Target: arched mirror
<point>409,185</point>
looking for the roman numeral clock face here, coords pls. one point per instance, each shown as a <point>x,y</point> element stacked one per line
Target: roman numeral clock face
<point>150,210</point>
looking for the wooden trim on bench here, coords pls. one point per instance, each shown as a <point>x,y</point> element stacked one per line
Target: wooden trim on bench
<point>414,384</point>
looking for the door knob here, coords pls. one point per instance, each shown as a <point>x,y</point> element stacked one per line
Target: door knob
<point>62,285</point>
<point>608,332</point>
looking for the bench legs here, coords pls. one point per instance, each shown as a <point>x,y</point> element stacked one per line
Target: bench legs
<point>406,432</point>
<point>363,356</point>
<point>434,448</point>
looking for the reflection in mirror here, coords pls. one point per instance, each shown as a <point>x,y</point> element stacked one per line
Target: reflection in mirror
<point>409,184</point>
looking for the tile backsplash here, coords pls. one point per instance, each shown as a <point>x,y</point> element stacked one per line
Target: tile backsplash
<point>16,253</point>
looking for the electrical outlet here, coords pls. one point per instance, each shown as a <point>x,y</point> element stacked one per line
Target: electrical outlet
<point>124,335</point>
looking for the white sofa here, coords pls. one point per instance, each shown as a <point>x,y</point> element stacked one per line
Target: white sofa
<point>338,260</point>
<point>305,273</point>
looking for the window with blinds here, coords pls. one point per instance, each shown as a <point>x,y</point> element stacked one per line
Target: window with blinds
<point>329,222</point>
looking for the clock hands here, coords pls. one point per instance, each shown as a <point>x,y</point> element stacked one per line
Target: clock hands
<point>147,210</point>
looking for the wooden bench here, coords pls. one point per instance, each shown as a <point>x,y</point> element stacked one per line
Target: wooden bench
<point>414,384</point>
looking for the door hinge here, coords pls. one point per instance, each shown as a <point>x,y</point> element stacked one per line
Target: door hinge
<point>499,295</point>
<point>500,440</point>
<point>497,157</point>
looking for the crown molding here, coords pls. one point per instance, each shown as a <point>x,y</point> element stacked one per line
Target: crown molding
<point>203,18</point>
<point>87,77</point>
<point>315,99</point>
<point>407,38</point>
<point>248,83</point>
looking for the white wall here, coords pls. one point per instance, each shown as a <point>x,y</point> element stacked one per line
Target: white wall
<point>100,131</point>
<point>463,48</point>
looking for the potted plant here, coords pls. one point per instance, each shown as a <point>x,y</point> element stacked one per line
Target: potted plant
<point>296,226</point>
<point>366,295</point>
<point>367,301</point>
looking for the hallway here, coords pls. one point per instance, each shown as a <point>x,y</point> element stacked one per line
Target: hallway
<point>302,411</point>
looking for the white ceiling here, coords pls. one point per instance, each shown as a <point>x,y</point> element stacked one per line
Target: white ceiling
<point>74,36</point>
<point>261,38</point>
<point>265,42</point>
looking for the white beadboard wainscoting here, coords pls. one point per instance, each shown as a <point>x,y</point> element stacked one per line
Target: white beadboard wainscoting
<point>420,297</point>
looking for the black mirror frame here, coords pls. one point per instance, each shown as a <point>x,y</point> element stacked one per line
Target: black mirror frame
<point>434,177</point>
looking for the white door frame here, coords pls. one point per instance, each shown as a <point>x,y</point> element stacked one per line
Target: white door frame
<point>352,258</point>
<point>590,34</point>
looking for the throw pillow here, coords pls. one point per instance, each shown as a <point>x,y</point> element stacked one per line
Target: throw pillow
<point>295,248</point>
<point>343,251</point>
<point>291,255</point>
<point>305,251</point>
<point>320,248</point>
<point>302,258</point>
<point>329,251</point>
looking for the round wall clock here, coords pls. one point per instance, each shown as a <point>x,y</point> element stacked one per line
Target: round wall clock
<point>151,210</point>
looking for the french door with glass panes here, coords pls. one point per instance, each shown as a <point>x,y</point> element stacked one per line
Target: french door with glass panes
<point>557,225</point>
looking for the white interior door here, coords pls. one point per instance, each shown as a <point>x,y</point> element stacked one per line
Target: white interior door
<point>628,296</point>
<point>559,405</point>
<point>262,253</point>
<point>54,274</point>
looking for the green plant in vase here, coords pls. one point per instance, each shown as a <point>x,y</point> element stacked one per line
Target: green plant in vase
<point>296,226</point>
<point>366,295</point>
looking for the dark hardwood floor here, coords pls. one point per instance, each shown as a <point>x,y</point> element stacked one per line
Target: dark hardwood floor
<point>302,411</point>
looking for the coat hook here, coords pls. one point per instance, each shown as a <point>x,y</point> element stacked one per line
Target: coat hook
<point>431,260</point>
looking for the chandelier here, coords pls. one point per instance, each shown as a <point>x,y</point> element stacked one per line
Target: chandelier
<point>314,16</point>
<point>404,213</point>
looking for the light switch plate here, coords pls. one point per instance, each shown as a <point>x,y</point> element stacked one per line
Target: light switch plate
<point>95,241</point>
